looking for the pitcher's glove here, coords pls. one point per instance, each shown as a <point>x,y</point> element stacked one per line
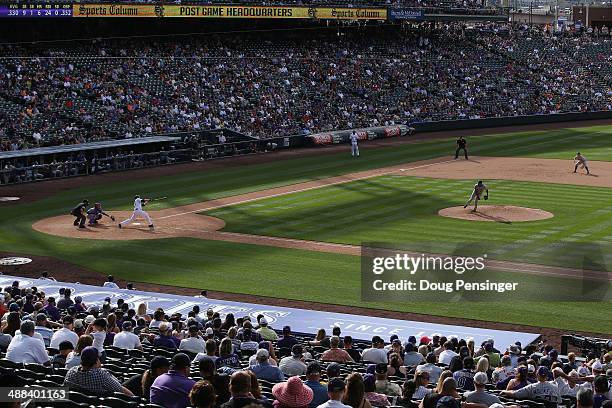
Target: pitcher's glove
<point>486,197</point>
<point>113,217</point>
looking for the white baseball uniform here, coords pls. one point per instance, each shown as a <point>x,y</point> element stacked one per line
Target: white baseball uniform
<point>354,146</point>
<point>580,159</point>
<point>477,193</point>
<point>138,212</point>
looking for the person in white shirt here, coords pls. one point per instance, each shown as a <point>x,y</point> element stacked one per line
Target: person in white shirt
<point>42,329</point>
<point>542,389</point>
<point>194,343</point>
<point>477,194</point>
<point>24,348</point>
<point>110,283</point>
<point>354,146</point>
<point>431,368</point>
<point>376,353</point>
<point>293,364</point>
<point>447,355</point>
<point>139,212</point>
<point>97,330</point>
<point>126,339</point>
<point>64,334</point>
<point>335,391</point>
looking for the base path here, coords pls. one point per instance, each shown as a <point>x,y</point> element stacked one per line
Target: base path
<point>506,214</point>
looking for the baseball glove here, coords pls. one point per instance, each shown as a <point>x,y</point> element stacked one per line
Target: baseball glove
<point>486,197</point>
<point>113,217</point>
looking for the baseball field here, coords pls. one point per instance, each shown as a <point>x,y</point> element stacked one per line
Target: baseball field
<point>290,227</point>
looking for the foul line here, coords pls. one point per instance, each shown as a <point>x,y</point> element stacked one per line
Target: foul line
<point>299,190</point>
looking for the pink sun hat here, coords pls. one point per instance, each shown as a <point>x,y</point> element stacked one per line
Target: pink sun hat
<point>293,393</point>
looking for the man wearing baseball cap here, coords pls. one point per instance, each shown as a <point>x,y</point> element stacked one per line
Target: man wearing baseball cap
<point>335,391</point>
<point>313,380</point>
<point>265,332</point>
<point>126,339</point>
<point>90,377</point>
<point>293,364</point>
<point>480,396</point>
<point>264,370</point>
<point>66,333</point>
<point>541,389</point>
<point>376,353</point>
<point>171,390</point>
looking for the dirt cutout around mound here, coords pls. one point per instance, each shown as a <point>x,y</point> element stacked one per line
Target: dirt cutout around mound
<point>506,214</point>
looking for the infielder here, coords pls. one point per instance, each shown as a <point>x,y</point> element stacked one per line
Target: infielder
<point>79,213</point>
<point>95,213</point>
<point>578,160</point>
<point>354,146</point>
<point>479,188</point>
<point>139,212</point>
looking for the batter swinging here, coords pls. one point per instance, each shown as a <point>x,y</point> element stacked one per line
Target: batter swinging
<point>139,212</point>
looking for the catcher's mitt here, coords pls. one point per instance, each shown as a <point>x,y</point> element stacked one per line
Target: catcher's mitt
<point>113,217</point>
<point>486,197</point>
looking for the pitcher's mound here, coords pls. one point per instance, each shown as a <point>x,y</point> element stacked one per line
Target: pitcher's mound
<point>497,213</point>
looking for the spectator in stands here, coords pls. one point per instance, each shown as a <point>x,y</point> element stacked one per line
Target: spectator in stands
<point>408,389</point>
<point>376,353</point>
<point>313,381</point>
<point>519,381</point>
<point>335,390</point>
<point>227,357</point>
<point>483,365</point>
<point>265,332</point>
<point>336,354</point>
<point>542,389</point>
<point>194,343</point>
<point>584,398</point>
<point>504,370</point>
<point>51,310</point>
<point>447,354</point>
<point>97,330</point>
<point>126,339</point>
<point>448,389</point>
<point>348,346</point>
<point>165,339</point>
<point>601,387</point>
<point>264,370</point>
<point>431,367</point>
<point>74,358</point>
<point>110,283</point>
<point>421,379</point>
<point>320,339</point>
<point>202,395</point>
<point>171,390</point>
<point>397,348</point>
<point>66,300</point>
<point>374,398</point>
<point>465,376</point>
<point>293,364</point>
<point>492,354</point>
<point>140,384</point>
<point>5,340</point>
<point>66,333</point>
<point>208,371</point>
<point>13,320</point>
<point>395,366</point>
<point>292,394</point>
<point>383,385</point>
<point>42,328</point>
<point>211,350</point>
<point>59,360</point>
<point>240,389</point>
<point>91,378</point>
<point>480,395</point>
<point>24,348</point>
<point>412,357</point>
<point>266,345</point>
<point>355,392</point>
<point>248,345</point>
<point>287,340</point>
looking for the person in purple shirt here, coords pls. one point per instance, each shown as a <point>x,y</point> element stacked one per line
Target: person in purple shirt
<point>171,390</point>
<point>165,338</point>
<point>52,311</point>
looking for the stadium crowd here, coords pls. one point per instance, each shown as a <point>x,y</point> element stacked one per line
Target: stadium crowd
<point>295,84</point>
<point>121,355</point>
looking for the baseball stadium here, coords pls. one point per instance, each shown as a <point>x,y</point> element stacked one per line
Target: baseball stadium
<point>323,205</point>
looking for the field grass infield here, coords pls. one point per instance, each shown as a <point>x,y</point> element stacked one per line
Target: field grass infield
<point>387,208</point>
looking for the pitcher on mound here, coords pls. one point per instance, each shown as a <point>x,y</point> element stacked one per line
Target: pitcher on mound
<point>479,188</point>
<point>139,212</point>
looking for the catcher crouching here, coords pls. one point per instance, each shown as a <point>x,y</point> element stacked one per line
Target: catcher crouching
<point>95,213</point>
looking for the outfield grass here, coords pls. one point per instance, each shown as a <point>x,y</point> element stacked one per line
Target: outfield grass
<point>307,276</point>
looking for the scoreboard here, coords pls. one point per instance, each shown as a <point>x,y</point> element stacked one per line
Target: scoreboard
<point>35,10</point>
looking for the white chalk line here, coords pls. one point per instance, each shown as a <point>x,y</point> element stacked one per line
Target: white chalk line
<point>333,183</point>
